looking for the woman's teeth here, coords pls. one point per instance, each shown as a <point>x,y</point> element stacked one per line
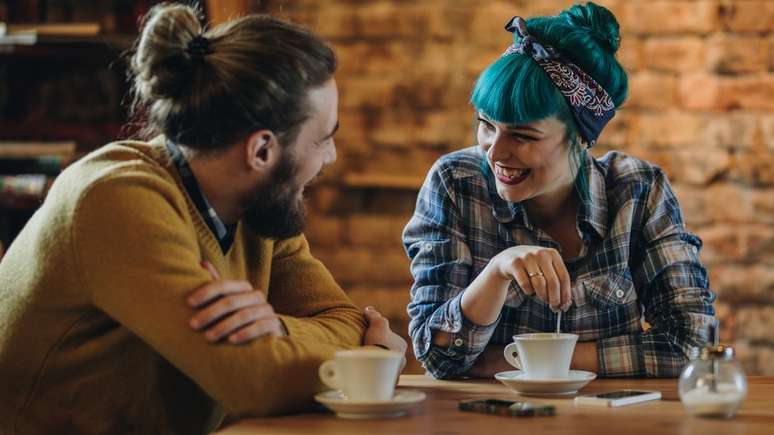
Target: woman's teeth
<point>510,172</point>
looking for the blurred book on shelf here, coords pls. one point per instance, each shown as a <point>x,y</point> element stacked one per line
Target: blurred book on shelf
<point>55,29</point>
<point>27,170</point>
<point>23,191</point>
<point>32,33</point>
<point>23,149</point>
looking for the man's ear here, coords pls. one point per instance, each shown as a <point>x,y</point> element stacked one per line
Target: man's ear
<point>261,150</point>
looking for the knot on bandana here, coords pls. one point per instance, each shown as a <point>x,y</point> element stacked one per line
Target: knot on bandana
<point>590,103</point>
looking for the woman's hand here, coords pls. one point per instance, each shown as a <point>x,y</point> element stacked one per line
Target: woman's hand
<point>538,271</point>
<point>232,309</point>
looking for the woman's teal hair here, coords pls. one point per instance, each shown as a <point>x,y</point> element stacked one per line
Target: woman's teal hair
<point>515,90</point>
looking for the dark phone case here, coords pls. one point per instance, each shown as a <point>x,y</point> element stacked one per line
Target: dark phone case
<point>505,407</point>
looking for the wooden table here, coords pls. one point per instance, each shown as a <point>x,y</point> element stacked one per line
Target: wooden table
<point>438,414</point>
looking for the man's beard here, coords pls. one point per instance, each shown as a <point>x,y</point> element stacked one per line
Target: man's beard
<point>277,211</point>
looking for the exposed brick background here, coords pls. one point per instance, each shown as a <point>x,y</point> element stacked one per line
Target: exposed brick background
<point>701,106</point>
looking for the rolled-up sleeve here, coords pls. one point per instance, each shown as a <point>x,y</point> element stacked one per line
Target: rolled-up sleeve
<point>674,290</point>
<point>441,265</point>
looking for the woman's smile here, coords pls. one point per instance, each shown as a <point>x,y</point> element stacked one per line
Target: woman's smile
<point>511,176</point>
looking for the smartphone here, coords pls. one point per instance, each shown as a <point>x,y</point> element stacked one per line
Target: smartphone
<point>618,398</point>
<point>506,407</point>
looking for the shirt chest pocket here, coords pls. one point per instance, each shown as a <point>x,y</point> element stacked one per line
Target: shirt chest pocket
<point>604,292</point>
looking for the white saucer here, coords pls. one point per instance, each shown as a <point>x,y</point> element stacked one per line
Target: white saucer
<point>515,380</point>
<point>344,408</point>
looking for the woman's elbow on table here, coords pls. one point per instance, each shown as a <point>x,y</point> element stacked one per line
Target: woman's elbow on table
<point>442,366</point>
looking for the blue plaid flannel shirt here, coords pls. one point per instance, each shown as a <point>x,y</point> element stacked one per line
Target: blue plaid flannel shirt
<point>638,263</point>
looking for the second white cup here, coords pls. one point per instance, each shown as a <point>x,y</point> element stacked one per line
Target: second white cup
<point>363,374</point>
<point>544,355</point>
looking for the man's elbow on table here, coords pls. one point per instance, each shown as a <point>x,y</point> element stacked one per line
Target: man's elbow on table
<point>285,377</point>
<point>283,380</point>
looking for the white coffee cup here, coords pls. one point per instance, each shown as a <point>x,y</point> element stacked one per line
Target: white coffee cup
<point>544,355</point>
<point>363,374</point>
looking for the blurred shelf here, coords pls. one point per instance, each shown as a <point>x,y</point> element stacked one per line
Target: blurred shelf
<point>16,149</point>
<point>86,134</point>
<point>68,28</point>
<point>64,47</point>
<point>383,181</point>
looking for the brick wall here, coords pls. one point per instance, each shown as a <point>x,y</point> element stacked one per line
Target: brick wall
<point>701,106</point>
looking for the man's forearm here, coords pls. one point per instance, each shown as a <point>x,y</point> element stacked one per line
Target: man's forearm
<point>342,326</point>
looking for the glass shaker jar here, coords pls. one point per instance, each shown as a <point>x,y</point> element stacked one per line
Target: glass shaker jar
<point>713,384</point>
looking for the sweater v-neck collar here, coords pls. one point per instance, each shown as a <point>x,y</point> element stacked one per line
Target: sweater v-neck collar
<point>223,234</point>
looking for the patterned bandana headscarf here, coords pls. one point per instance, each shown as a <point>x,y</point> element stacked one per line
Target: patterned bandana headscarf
<point>591,106</point>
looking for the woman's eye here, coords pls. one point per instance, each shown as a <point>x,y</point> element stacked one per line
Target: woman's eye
<point>486,125</point>
<point>522,138</point>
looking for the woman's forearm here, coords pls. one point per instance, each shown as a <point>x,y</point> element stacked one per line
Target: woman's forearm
<point>481,302</point>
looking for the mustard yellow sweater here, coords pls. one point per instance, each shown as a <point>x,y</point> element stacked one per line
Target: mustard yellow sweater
<point>94,335</point>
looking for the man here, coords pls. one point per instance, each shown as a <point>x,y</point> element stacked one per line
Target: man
<point>139,245</point>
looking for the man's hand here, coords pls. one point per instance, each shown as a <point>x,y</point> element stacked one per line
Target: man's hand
<point>379,332</point>
<point>233,309</point>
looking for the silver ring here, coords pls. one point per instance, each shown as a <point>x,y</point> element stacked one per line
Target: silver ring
<point>538,273</point>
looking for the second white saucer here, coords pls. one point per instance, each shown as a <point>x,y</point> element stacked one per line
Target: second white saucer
<point>516,381</point>
<point>401,402</point>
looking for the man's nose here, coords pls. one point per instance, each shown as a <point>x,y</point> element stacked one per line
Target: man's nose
<point>330,156</point>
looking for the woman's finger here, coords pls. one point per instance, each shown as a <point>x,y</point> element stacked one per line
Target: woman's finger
<point>524,282</point>
<point>225,306</point>
<point>519,273</point>
<point>536,278</point>
<point>553,288</point>
<point>565,282</point>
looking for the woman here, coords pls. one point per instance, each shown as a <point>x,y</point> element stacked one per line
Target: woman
<point>527,225</point>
